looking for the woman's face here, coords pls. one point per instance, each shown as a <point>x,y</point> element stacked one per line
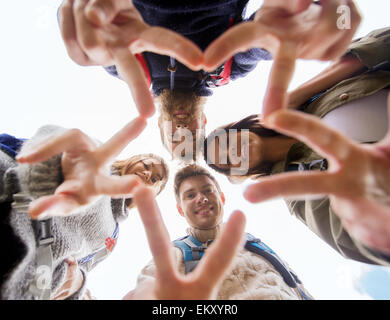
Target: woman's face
<point>244,153</point>
<point>151,171</point>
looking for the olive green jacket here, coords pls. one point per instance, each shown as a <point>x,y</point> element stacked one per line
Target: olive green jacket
<point>374,52</point>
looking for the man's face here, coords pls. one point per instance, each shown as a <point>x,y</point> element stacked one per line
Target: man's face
<point>181,122</point>
<point>181,135</point>
<point>200,202</point>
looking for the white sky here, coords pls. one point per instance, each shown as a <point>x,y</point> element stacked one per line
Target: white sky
<point>40,85</point>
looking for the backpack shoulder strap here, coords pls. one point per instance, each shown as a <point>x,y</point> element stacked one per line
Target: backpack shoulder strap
<point>192,250</point>
<point>256,246</point>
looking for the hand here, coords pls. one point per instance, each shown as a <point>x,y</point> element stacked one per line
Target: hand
<point>357,180</point>
<point>93,29</point>
<point>289,29</point>
<point>73,283</point>
<point>84,168</point>
<point>203,282</point>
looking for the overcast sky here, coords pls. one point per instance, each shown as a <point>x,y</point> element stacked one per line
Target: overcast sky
<point>40,85</point>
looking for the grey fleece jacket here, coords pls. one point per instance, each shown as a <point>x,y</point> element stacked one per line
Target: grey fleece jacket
<point>78,235</point>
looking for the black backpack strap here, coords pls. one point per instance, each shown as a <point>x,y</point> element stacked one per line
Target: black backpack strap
<point>40,287</point>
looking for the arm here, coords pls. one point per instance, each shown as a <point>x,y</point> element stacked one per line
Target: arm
<point>340,70</point>
<point>74,285</point>
<point>319,216</point>
<point>289,30</point>
<point>67,171</point>
<point>364,54</point>
<point>110,32</point>
<point>356,181</point>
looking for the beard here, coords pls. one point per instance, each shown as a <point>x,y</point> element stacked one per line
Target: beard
<point>187,101</point>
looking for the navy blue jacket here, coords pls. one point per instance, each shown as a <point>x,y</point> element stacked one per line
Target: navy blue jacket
<point>201,21</point>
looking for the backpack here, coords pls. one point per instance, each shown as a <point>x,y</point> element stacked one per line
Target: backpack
<point>193,251</point>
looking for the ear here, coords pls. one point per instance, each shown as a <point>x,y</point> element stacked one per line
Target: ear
<point>222,195</point>
<point>180,209</point>
<point>205,119</point>
<point>159,121</point>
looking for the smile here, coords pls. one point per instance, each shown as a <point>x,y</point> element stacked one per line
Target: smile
<point>204,210</point>
<point>181,114</point>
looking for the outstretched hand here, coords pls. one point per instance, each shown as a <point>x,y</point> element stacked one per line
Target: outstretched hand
<point>93,29</point>
<point>357,179</point>
<point>289,29</point>
<point>84,168</point>
<point>203,282</point>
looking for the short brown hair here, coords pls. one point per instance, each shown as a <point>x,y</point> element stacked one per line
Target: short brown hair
<point>192,170</point>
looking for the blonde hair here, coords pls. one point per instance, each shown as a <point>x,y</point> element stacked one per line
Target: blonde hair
<point>122,167</point>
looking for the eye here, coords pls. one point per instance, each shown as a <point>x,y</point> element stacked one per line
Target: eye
<point>146,166</point>
<point>190,195</point>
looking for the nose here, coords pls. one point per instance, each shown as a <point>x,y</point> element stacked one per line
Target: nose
<point>147,175</point>
<point>202,199</point>
<point>181,126</point>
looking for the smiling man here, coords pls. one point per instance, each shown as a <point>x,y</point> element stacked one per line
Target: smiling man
<point>257,272</point>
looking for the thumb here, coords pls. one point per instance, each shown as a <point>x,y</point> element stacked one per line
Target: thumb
<point>71,261</point>
<point>102,12</point>
<point>291,6</point>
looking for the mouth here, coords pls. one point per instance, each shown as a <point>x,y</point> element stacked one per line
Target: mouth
<point>181,114</point>
<point>204,210</point>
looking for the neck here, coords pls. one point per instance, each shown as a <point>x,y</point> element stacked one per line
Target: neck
<point>203,235</point>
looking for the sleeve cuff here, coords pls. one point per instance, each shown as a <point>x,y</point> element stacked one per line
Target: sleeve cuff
<point>373,50</point>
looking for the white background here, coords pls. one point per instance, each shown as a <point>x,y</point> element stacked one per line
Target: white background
<point>40,85</point>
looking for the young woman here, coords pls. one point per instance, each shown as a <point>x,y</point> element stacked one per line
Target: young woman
<point>350,97</point>
<point>61,206</point>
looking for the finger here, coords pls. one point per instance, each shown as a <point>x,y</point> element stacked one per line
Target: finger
<point>88,36</point>
<point>282,71</point>
<point>336,27</point>
<point>68,33</point>
<point>102,12</point>
<point>53,205</point>
<point>290,185</point>
<point>71,261</point>
<point>131,72</point>
<point>292,6</point>
<point>239,38</point>
<point>219,257</point>
<point>72,140</point>
<point>348,26</point>
<point>119,141</point>
<point>310,130</point>
<point>170,43</point>
<point>117,186</point>
<point>157,234</point>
